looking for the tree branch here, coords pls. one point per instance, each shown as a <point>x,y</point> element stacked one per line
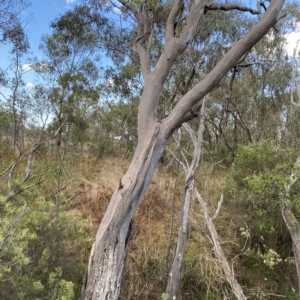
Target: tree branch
<point>220,202</point>
<point>294,86</point>
<point>144,33</point>
<point>231,6</point>
<point>177,5</point>
<point>207,84</point>
<point>19,191</point>
<point>128,6</point>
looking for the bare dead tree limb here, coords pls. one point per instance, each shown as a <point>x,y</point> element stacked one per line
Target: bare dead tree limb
<point>11,226</point>
<point>214,237</point>
<point>220,202</point>
<point>7,169</point>
<point>12,192</point>
<point>177,268</point>
<point>174,276</point>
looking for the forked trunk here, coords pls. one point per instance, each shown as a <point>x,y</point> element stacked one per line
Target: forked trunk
<point>103,277</point>
<point>107,259</point>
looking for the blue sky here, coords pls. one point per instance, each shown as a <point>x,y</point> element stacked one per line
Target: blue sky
<point>38,17</point>
<point>43,12</point>
<point>37,22</point>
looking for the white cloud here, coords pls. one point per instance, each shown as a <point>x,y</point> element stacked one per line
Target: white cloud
<point>291,41</point>
<point>30,85</point>
<point>110,82</point>
<point>27,67</point>
<point>117,10</point>
<point>116,7</point>
<point>70,1</point>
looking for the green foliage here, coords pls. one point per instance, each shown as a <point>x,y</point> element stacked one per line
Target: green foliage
<point>164,296</point>
<point>148,4</point>
<point>254,159</point>
<point>119,131</point>
<point>79,25</point>
<point>43,249</point>
<point>13,240</point>
<point>5,120</point>
<point>259,175</point>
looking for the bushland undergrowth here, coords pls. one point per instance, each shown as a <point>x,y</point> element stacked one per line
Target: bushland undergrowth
<point>46,233</point>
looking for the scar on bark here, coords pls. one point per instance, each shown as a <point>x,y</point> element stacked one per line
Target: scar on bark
<point>120,185</point>
<point>129,233</point>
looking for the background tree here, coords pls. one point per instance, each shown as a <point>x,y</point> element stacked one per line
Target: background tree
<point>70,68</point>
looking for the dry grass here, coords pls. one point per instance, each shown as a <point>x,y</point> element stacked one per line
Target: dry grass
<point>147,266</point>
<point>91,198</point>
<point>148,262</point>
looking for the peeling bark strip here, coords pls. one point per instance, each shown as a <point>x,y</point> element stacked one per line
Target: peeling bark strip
<point>107,258</point>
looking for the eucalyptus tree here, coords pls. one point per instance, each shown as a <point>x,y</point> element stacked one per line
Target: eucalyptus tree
<point>252,104</point>
<point>11,23</point>
<point>12,34</point>
<point>16,98</point>
<point>72,99</point>
<point>69,67</point>
<point>175,25</point>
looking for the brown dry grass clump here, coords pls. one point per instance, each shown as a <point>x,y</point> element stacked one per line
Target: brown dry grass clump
<point>148,261</point>
<point>90,198</point>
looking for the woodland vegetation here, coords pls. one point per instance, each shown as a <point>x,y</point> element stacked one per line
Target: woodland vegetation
<point>219,219</point>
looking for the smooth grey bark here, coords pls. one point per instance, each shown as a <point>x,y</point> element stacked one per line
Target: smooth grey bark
<point>177,268</point>
<point>106,263</point>
<point>214,237</point>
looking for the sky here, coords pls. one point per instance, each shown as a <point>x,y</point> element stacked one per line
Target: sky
<point>38,17</point>
<point>43,12</point>
<point>292,39</point>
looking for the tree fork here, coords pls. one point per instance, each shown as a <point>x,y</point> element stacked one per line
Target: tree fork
<point>109,249</point>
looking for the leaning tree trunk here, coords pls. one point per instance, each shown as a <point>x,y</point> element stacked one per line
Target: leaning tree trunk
<point>107,258</point>
<point>109,249</point>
